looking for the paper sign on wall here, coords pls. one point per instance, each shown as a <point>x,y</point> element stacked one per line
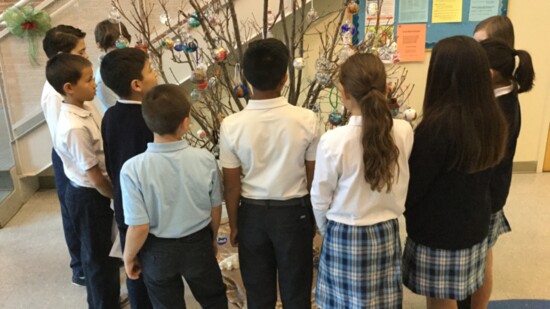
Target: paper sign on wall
<point>411,41</point>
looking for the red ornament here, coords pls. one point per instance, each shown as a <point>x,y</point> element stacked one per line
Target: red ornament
<point>203,85</point>
<point>28,25</point>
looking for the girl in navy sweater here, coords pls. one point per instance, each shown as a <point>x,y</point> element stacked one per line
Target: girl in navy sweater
<point>460,139</point>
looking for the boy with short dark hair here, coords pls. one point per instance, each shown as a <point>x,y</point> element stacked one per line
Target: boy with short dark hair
<point>106,35</point>
<point>63,39</point>
<point>172,204</point>
<point>78,142</point>
<point>128,73</point>
<point>267,175</point>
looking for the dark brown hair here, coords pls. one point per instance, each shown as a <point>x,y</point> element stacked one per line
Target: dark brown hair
<point>363,76</point>
<point>164,107</point>
<point>106,33</point>
<point>502,59</point>
<point>65,68</point>
<point>498,27</point>
<point>61,39</point>
<point>459,102</point>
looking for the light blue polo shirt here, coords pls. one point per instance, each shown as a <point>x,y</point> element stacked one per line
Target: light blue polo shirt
<point>172,187</point>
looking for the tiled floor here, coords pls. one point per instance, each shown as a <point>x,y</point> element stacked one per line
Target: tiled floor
<point>34,271</point>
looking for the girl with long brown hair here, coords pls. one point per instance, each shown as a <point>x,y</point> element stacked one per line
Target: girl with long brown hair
<point>461,137</point>
<point>359,191</point>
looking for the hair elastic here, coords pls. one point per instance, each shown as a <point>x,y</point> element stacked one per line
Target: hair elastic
<point>516,63</point>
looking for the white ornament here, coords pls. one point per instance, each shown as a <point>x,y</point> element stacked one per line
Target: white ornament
<point>299,63</point>
<point>229,263</point>
<point>201,133</point>
<point>409,114</point>
<point>165,19</point>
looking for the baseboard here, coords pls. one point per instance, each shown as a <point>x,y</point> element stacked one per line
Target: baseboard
<point>46,182</point>
<point>525,167</point>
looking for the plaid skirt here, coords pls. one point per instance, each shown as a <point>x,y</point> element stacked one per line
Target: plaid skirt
<point>360,267</point>
<point>497,226</point>
<point>444,274</point>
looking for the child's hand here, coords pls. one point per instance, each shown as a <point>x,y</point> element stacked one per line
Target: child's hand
<point>234,237</point>
<point>133,268</point>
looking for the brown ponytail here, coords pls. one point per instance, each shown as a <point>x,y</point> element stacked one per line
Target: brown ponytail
<point>363,76</point>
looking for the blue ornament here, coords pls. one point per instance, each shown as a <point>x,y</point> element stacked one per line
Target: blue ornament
<point>241,91</point>
<point>346,27</point>
<point>335,118</point>
<point>221,239</point>
<point>179,47</point>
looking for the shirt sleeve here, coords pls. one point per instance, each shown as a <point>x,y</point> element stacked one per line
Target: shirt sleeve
<point>312,149</point>
<point>228,158</point>
<point>133,202</point>
<point>323,186</point>
<point>216,186</point>
<point>51,105</point>
<point>80,146</point>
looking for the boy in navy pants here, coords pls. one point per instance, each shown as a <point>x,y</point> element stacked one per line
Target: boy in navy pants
<point>78,142</point>
<point>129,74</point>
<point>172,205</point>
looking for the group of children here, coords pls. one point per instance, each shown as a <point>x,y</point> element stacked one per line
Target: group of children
<point>452,182</point>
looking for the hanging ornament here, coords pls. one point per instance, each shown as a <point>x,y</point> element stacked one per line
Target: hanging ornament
<point>202,85</point>
<point>219,54</point>
<point>323,79</point>
<point>316,108</point>
<point>240,90</point>
<point>212,18</point>
<point>122,42</point>
<point>270,18</point>
<point>299,63</point>
<point>312,14</point>
<point>114,15</point>
<point>347,27</point>
<point>178,46</point>
<point>194,20</point>
<point>345,53</point>
<point>353,8</point>
<point>201,133</point>
<point>198,76</point>
<point>165,19</point>
<point>335,117</point>
<point>409,114</point>
<point>167,43</point>
<point>195,95</point>
<point>191,46</point>
<point>212,82</point>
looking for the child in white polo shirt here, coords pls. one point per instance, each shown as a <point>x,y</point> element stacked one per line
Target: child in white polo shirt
<point>78,142</point>
<point>172,199</point>
<point>267,152</point>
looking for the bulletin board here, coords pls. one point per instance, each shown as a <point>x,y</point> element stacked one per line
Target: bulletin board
<point>437,31</point>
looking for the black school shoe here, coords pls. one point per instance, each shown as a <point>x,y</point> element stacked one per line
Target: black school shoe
<point>79,281</point>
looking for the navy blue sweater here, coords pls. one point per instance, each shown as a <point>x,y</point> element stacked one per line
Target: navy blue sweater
<point>125,135</point>
<point>445,208</point>
<point>502,175</point>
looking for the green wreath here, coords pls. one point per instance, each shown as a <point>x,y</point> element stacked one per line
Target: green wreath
<point>26,22</point>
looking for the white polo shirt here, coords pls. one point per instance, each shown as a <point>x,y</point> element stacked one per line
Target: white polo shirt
<point>78,142</point>
<point>270,140</point>
<point>339,191</point>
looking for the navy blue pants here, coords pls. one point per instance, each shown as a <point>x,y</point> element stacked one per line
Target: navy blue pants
<point>165,260</point>
<point>92,218</point>
<point>73,243</point>
<point>276,242</point>
<point>137,292</point>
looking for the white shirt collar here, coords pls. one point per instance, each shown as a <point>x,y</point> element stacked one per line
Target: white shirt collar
<point>129,101</point>
<point>504,90</point>
<point>81,112</point>
<point>355,121</point>
<point>267,104</point>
